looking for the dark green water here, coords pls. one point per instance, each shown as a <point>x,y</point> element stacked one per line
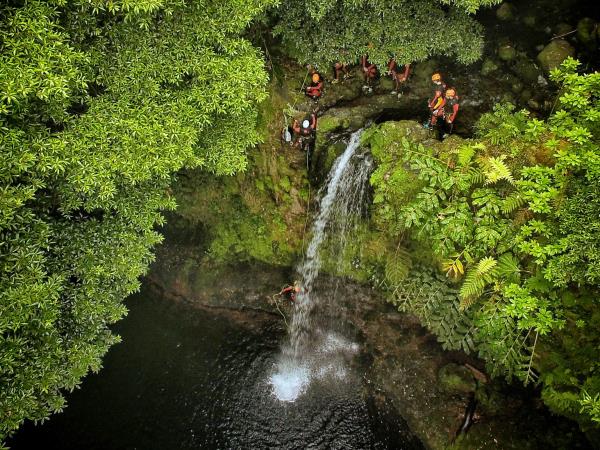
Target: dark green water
<point>184,378</point>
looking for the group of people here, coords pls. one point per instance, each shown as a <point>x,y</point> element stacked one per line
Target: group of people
<point>399,75</point>
<point>443,105</point>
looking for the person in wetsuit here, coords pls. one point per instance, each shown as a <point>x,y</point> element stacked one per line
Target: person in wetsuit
<point>315,89</point>
<point>399,75</point>
<point>369,73</point>
<point>451,107</point>
<point>437,102</point>
<point>304,131</point>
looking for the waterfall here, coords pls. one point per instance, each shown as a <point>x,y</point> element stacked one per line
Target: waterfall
<point>310,350</point>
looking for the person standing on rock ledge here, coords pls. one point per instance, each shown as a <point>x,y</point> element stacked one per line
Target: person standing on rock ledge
<point>451,107</point>
<point>338,68</point>
<point>436,104</point>
<point>399,76</point>
<point>369,73</point>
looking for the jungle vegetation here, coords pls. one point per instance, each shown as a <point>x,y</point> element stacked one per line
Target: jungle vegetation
<point>102,102</point>
<point>511,223</point>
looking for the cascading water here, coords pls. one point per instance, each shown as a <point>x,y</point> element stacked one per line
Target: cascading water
<point>312,350</point>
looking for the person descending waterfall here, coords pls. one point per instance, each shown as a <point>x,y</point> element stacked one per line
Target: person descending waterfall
<point>291,291</point>
<point>369,73</point>
<point>399,75</point>
<point>315,89</point>
<point>436,104</point>
<point>451,107</point>
<point>304,131</point>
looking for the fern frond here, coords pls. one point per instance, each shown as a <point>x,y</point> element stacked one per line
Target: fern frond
<point>485,265</point>
<point>513,202</point>
<point>465,155</point>
<point>476,281</point>
<point>466,302</point>
<point>397,267</point>
<point>476,176</point>
<point>495,169</point>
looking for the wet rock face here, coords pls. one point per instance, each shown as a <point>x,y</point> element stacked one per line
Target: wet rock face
<point>555,53</point>
<point>454,378</point>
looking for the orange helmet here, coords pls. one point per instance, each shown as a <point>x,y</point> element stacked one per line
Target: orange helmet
<point>436,77</point>
<point>315,77</point>
<point>450,93</point>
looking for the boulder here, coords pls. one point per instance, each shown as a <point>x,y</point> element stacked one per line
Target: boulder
<point>453,378</point>
<point>506,52</point>
<point>526,70</point>
<point>586,32</point>
<point>554,54</point>
<point>505,12</point>
<point>488,67</point>
<point>517,87</point>
<point>562,29</point>
<point>530,20</point>
<point>525,96</point>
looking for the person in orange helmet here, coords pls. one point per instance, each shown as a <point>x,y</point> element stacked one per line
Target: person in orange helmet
<point>439,87</point>
<point>437,102</point>
<point>315,89</point>
<point>398,74</point>
<point>451,107</point>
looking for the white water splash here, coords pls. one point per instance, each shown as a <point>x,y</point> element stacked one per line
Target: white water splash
<point>290,382</point>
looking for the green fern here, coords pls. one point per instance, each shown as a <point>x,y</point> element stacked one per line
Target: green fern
<point>397,267</point>
<point>476,176</point>
<point>513,202</point>
<point>495,169</point>
<point>486,265</point>
<point>465,155</point>
<point>476,281</point>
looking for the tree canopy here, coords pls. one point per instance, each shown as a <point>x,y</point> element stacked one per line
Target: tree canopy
<point>323,32</point>
<point>101,103</point>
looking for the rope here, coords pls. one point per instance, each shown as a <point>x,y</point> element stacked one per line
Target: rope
<point>276,303</point>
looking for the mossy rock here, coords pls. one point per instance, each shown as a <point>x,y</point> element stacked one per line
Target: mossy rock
<point>489,66</point>
<point>530,20</point>
<point>386,83</point>
<point>586,32</point>
<point>328,124</point>
<point>554,54</point>
<point>563,28</point>
<point>506,52</point>
<point>526,70</point>
<point>453,378</point>
<point>525,96</point>
<point>505,12</point>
